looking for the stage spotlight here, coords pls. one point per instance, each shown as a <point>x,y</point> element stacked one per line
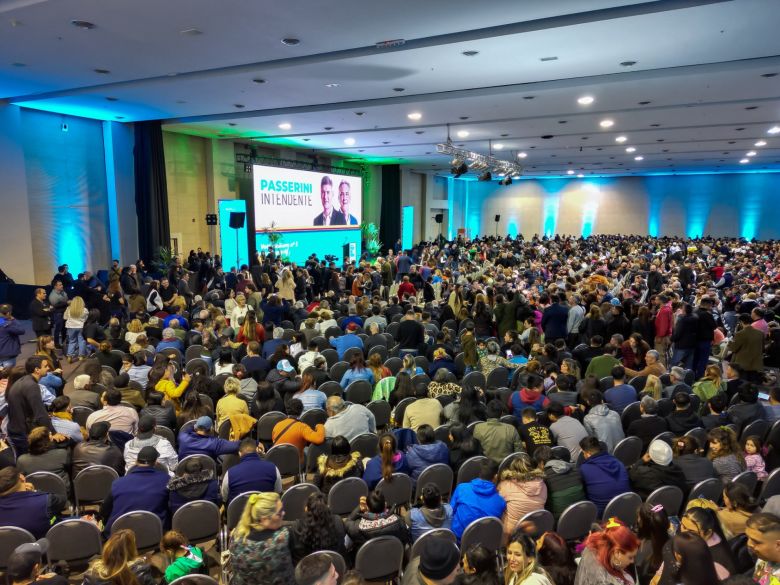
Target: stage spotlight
<point>459,170</point>
<point>486,176</point>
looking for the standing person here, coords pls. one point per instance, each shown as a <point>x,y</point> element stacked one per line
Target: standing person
<point>664,320</point>
<point>40,313</point>
<point>10,332</point>
<point>58,299</point>
<point>25,405</point>
<point>75,316</point>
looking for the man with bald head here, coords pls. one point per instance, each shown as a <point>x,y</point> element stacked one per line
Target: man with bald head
<point>347,420</point>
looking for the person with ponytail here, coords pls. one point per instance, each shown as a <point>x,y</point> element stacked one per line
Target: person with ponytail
<point>607,556</point>
<point>260,545</point>
<point>388,462</point>
<point>522,566</point>
<point>120,564</point>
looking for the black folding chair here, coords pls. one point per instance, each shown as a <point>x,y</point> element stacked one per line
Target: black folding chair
<point>146,526</point>
<point>576,520</point>
<point>345,495</point>
<point>380,559</point>
<point>623,507</point>
<point>669,496</point>
<point>397,491</point>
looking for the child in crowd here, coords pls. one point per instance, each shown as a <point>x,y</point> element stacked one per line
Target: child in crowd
<point>754,461</point>
<point>184,559</point>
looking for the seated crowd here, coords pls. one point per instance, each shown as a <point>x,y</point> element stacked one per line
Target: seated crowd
<point>490,379</point>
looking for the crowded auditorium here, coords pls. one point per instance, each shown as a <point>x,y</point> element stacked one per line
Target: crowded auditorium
<point>465,294</point>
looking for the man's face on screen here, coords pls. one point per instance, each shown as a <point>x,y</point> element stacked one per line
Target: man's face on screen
<point>344,198</point>
<point>325,195</point>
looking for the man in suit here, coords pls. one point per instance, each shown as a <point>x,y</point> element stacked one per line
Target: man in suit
<point>329,216</point>
<point>747,348</point>
<point>345,198</point>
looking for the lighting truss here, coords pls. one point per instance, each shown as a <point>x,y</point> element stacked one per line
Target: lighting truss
<point>478,162</point>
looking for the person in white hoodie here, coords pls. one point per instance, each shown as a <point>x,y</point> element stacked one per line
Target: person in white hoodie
<point>602,422</point>
<point>146,438</point>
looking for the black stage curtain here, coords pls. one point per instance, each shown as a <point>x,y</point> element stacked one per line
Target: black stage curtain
<point>151,189</point>
<point>390,221</point>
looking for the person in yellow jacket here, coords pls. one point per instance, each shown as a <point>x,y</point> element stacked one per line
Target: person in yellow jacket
<point>161,379</point>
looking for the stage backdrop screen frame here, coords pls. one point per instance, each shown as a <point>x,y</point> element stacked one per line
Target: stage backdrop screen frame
<point>305,200</point>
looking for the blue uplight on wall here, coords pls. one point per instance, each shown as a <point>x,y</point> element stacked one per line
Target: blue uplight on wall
<point>590,209</point>
<point>450,207</point>
<point>511,227</point>
<point>750,205</point>
<point>71,248</point>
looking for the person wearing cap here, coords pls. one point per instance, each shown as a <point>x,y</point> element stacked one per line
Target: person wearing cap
<point>316,570</point>
<point>294,432</point>
<point>143,488</point>
<point>199,440</point>
<point>438,564</point>
<point>23,507</point>
<point>25,566</point>
<point>121,418</point>
<point>656,469</point>
<point>97,450</point>
<point>251,474</point>
<point>348,341</point>
<point>146,437</point>
<point>284,378</point>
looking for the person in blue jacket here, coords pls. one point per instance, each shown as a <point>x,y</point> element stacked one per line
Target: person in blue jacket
<point>426,452</point>
<point>23,507</point>
<point>389,461</point>
<point>10,332</point>
<point>143,488</point>
<point>199,441</point>
<point>603,475</point>
<point>476,499</point>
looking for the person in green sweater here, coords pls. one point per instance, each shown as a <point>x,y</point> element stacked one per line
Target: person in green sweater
<point>602,365</point>
<point>183,558</point>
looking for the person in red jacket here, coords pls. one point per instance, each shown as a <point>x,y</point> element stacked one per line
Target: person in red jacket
<point>663,327</point>
<point>406,288</point>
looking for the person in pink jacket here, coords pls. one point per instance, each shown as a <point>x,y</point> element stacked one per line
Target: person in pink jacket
<point>522,486</point>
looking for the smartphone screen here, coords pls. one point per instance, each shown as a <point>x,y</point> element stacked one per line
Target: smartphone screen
<point>509,354</point>
<point>763,396</point>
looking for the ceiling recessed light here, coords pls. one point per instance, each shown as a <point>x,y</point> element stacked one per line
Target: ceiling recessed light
<point>620,139</point>
<point>644,103</point>
<point>349,141</point>
<point>414,116</point>
<point>83,24</point>
<point>529,97</point>
<point>639,158</point>
<point>239,106</point>
<point>631,149</point>
<point>399,89</point>
<point>570,172</point>
<point>521,155</point>
<point>386,142</point>
<point>504,135</point>
<point>562,121</point>
<point>744,161</point>
<point>760,143</point>
<point>102,71</point>
<point>464,117</point>
<point>580,176</point>
<point>328,128</point>
<point>285,126</point>
<point>627,63</point>
<point>331,85</point>
<point>607,123</point>
<point>547,137</point>
<point>111,99</point>
<point>119,117</point>
<point>291,41</point>
<point>751,107</point>
<point>419,131</point>
<point>655,125</point>
<point>463,133</point>
<point>545,59</point>
<point>470,53</point>
<point>258,80</point>
<point>751,153</point>
<point>231,123</point>
<point>191,32</point>
<point>498,146</point>
<point>774,130</point>
<point>738,129</point>
<point>769,75</point>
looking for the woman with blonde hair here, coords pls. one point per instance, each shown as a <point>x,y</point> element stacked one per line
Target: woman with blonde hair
<point>710,384</point>
<point>260,547</point>
<point>230,404</point>
<point>653,387</point>
<point>120,563</point>
<point>326,321</point>
<point>522,566</point>
<point>286,286</point>
<point>75,316</point>
<point>239,312</point>
<point>134,329</point>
